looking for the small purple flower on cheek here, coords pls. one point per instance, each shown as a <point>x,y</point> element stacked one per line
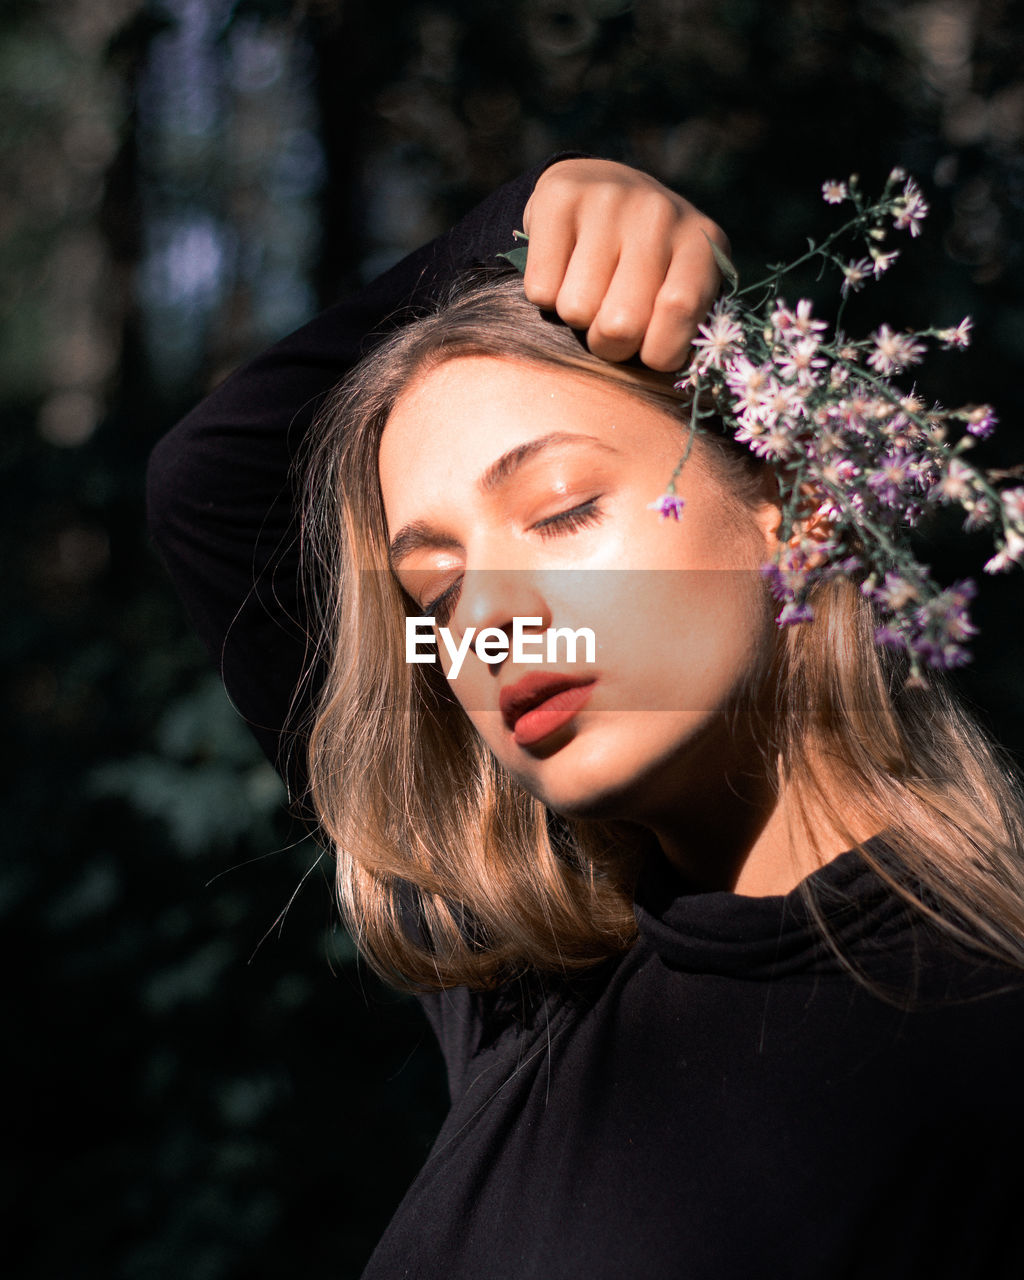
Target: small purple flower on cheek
<point>668,505</point>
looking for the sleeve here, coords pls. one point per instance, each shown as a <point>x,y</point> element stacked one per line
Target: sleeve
<point>221,500</point>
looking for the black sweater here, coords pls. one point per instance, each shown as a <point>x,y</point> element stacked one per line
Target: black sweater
<point>726,1100</point>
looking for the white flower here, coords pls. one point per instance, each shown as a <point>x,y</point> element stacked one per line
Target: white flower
<point>782,318</point>
<point>781,400</point>
<point>827,441</point>
<point>909,209</point>
<point>959,338</point>
<point>855,273</point>
<point>957,484</point>
<point>1013,505</point>
<point>689,380</point>
<point>721,335</point>
<point>840,472</point>
<point>857,409</point>
<point>979,514</point>
<point>801,362</point>
<point>748,381</point>
<point>896,593</point>
<point>1011,554</point>
<point>777,442</point>
<point>749,430</point>
<point>881,262</point>
<point>800,321</point>
<point>834,192</point>
<point>894,351</point>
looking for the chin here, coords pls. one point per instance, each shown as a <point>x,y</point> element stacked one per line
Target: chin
<point>649,763</point>
<point>586,778</point>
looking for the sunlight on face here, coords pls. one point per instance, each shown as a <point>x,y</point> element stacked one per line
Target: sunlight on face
<point>521,490</point>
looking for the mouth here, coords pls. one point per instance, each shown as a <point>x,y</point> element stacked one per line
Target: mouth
<point>538,705</point>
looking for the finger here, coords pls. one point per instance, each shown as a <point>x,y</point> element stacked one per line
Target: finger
<point>679,308</point>
<point>552,234</point>
<point>690,286</point>
<point>619,327</point>
<point>587,277</point>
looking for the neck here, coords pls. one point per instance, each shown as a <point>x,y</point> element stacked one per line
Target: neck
<point>752,832</point>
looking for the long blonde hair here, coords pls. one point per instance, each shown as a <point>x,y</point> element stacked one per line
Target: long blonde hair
<point>448,871</point>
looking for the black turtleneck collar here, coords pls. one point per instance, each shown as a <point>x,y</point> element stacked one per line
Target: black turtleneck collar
<point>734,935</point>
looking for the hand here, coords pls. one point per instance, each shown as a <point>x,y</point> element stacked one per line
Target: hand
<point>619,255</point>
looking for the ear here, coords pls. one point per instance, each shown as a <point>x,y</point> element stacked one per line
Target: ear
<point>766,507</point>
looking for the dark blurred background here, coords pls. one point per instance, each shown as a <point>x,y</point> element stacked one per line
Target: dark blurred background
<point>205,1083</point>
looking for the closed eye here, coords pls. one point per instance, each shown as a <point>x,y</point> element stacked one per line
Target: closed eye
<point>580,517</point>
<point>442,607</point>
<point>585,514</point>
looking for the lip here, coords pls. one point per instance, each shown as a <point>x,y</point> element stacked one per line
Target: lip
<point>538,704</point>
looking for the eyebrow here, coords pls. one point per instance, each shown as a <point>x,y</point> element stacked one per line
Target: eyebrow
<point>411,537</point>
<point>501,471</point>
<point>415,535</point>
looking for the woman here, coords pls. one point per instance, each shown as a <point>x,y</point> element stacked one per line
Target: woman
<point>722,934</point>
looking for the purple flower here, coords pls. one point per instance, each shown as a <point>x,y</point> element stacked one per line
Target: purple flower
<point>793,613</point>
<point>776,583</point>
<point>889,482</point>
<point>944,657</point>
<point>668,505</point>
<point>944,625</point>
<point>948,612</point>
<point>982,421</point>
<point>890,638</point>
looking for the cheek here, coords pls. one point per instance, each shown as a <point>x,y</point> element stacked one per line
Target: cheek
<point>473,688</point>
<point>684,639</point>
<point>731,633</point>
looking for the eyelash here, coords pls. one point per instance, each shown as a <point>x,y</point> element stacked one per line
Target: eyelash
<point>586,514</point>
<point>583,516</point>
<point>443,606</point>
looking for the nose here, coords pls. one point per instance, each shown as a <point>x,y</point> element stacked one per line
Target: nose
<point>495,597</point>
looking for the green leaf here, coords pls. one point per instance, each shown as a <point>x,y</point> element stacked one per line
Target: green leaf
<point>725,266</point>
<point>517,256</point>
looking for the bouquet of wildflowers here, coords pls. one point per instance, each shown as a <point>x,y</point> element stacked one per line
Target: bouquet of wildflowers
<point>855,454</point>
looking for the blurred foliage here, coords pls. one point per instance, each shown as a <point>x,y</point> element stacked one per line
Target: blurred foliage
<point>207,1084</point>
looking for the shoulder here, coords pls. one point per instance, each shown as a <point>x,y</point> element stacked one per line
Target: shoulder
<point>503,1023</point>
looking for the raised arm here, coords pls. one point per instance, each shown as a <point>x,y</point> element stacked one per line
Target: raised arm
<point>221,487</point>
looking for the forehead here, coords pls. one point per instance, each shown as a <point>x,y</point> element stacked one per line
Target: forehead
<point>457,417</point>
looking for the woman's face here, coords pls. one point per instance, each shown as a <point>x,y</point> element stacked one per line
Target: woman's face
<point>515,490</point>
